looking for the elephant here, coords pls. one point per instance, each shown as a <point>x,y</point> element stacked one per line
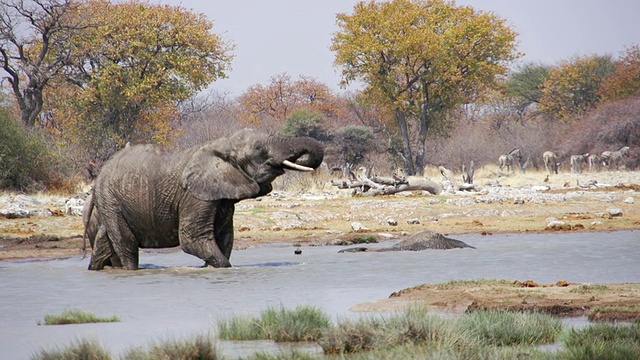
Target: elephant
<point>145,197</point>
<point>422,240</point>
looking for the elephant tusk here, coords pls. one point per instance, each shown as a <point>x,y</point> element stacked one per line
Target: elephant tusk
<point>294,166</point>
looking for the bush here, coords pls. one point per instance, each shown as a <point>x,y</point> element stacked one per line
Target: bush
<point>27,161</point>
<point>354,143</point>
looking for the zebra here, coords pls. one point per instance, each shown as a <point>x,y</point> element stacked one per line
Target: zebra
<point>507,160</point>
<point>594,162</point>
<point>614,157</point>
<point>550,162</point>
<point>577,162</point>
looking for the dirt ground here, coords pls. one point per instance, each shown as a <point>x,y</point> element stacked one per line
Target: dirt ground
<point>323,214</point>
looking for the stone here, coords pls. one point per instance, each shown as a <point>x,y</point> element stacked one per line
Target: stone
<point>356,226</point>
<point>392,222</point>
<point>614,212</point>
<point>74,206</point>
<point>629,200</point>
<point>413,221</point>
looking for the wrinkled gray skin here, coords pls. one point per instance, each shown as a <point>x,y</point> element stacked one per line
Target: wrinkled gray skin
<point>147,198</point>
<point>423,240</point>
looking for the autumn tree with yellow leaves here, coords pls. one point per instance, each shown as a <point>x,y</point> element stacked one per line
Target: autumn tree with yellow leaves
<point>571,88</point>
<point>138,62</point>
<point>420,59</point>
<point>625,80</point>
<point>268,106</point>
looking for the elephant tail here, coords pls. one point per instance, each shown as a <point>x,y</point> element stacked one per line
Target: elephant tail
<point>86,225</point>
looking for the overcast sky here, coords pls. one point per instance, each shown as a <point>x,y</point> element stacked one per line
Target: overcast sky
<point>294,36</point>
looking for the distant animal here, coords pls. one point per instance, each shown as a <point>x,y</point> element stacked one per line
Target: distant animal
<point>550,162</point>
<point>422,240</point>
<point>594,162</point>
<point>614,157</point>
<point>577,162</point>
<point>507,160</point>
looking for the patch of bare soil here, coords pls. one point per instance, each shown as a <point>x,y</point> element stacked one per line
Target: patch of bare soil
<point>610,302</point>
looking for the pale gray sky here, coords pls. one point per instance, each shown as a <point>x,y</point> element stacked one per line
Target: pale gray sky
<point>294,36</point>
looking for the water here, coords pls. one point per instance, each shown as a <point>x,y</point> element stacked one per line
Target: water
<point>173,298</point>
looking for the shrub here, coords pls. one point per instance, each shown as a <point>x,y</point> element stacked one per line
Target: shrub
<point>27,161</point>
<point>354,143</point>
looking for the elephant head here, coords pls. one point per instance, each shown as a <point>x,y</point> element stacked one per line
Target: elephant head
<point>244,165</point>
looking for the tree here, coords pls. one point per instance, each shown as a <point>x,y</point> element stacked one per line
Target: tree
<point>420,59</point>
<point>525,85</point>
<point>625,80</point>
<point>34,48</point>
<point>272,104</point>
<point>306,122</point>
<point>354,143</point>
<point>572,87</point>
<point>139,62</point>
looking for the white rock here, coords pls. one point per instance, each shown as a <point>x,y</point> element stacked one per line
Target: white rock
<point>614,212</point>
<point>74,206</point>
<point>629,200</point>
<point>356,226</point>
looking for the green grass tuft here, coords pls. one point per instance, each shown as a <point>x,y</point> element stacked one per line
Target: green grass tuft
<point>304,323</point>
<point>75,316</point>
<point>506,328</point>
<point>199,348</point>
<point>79,350</point>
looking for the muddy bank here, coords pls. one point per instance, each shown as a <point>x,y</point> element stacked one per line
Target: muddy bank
<point>599,302</point>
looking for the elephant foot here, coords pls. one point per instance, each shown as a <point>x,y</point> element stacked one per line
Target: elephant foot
<point>216,264</point>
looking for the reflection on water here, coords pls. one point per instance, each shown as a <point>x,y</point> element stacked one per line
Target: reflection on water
<point>174,297</point>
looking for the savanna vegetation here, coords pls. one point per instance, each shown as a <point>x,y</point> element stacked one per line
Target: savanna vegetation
<point>412,334</point>
<point>440,85</point>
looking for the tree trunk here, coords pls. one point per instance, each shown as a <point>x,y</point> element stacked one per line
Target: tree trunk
<point>407,155</point>
<point>425,122</point>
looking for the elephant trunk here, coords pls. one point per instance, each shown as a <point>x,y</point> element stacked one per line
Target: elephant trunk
<point>301,151</point>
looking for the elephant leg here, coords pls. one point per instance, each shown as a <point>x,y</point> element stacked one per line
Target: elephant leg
<point>125,246</point>
<point>223,227</point>
<point>101,250</point>
<point>197,234</point>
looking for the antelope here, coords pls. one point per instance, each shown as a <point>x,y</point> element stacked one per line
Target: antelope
<point>577,162</point>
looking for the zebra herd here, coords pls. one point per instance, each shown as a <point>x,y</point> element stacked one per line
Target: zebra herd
<point>607,160</point>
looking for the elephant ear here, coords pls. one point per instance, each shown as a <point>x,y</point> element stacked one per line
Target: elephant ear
<point>211,175</point>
